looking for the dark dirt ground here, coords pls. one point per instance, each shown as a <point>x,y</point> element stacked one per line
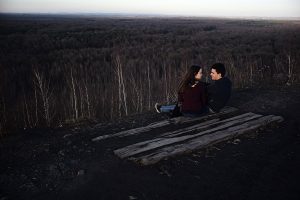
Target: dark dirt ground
<point>64,163</point>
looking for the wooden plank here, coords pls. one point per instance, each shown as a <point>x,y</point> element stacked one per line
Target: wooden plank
<point>177,120</point>
<point>208,124</point>
<point>164,141</point>
<point>203,141</point>
<point>154,143</point>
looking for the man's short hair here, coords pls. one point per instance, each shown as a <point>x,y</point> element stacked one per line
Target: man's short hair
<point>220,68</point>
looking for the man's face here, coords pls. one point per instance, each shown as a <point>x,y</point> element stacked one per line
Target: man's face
<point>214,75</point>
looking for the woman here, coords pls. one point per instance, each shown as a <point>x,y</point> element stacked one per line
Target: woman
<point>191,95</point>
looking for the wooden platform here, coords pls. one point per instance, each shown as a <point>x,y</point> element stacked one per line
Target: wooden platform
<point>195,133</point>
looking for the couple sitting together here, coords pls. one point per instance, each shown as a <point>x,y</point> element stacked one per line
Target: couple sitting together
<point>196,98</point>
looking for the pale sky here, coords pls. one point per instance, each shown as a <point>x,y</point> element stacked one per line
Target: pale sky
<point>229,8</point>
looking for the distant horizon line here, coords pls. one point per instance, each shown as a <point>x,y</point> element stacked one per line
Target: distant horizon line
<point>116,14</point>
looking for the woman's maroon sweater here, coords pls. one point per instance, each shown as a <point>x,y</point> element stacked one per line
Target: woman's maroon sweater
<point>193,99</point>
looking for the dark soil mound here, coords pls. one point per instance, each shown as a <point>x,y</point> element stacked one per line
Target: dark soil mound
<point>64,163</point>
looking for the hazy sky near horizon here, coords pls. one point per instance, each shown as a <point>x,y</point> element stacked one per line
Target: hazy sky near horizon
<point>230,8</point>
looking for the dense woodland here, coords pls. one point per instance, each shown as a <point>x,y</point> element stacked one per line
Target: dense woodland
<point>62,69</point>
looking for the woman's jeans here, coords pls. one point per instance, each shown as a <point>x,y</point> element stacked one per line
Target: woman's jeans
<point>167,108</point>
<point>170,108</point>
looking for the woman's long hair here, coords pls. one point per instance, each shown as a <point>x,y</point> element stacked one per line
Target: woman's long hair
<point>189,78</point>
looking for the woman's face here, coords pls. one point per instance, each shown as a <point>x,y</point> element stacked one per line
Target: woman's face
<point>198,76</point>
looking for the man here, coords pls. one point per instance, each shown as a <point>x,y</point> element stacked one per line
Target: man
<point>218,92</point>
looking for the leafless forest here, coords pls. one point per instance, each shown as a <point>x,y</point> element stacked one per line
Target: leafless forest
<point>62,69</point>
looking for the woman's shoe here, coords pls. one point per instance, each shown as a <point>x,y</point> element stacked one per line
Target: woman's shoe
<point>157,107</point>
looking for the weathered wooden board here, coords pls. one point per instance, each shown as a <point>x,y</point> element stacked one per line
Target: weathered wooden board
<point>194,137</point>
<point>177,120</point>
<point>204,140</point>
<point>180,135</point>
<point>183,134</point>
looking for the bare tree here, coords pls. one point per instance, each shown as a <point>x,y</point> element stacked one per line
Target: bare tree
<point>44,89</point>
<point>121,86</point>
<point>86,93</point>
<point>290,70</point>
<point>87,100</point>
<point>166,82</point>
<point>149,86</point>
<point>74,94</point>
<point>36,106</point>
<point>136,98</point>
<point>27,116</point>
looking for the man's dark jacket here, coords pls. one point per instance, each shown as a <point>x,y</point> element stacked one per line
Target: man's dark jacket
<point>219,93</point>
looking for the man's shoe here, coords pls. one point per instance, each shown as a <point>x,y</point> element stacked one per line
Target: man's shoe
<point>157,107</point>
